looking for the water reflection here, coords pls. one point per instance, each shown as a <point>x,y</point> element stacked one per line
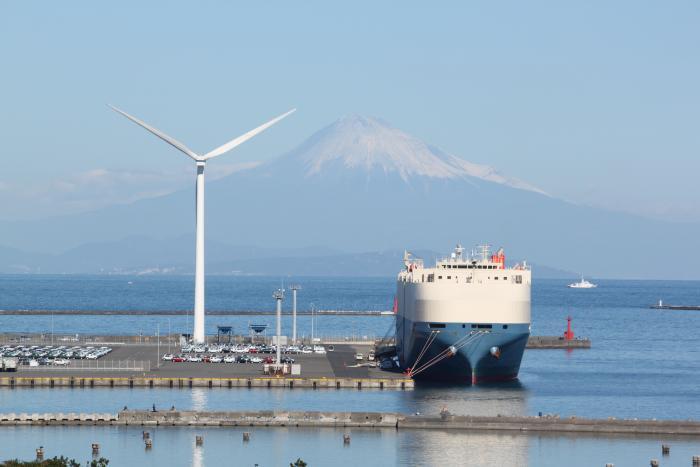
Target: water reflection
<point>321,447</point>
<point>199,399</point>
<point>459,448</point>
<point>504,399</point>
<point>197,456</point>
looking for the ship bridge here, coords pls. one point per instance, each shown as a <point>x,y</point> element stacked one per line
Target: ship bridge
<point>479,267</point>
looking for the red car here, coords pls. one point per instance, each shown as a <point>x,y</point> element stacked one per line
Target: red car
<point>269,360</point>
<point>178,359</point>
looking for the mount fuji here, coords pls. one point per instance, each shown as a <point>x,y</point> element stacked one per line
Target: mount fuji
<point>361,185</point>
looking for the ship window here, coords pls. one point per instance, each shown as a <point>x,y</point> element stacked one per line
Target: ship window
<point>437,325</point>
<point>496,277</point>
<point>473,326</point>
<point>505,326</point>
<point>464,326</point>
<point>484,326</point>
<point>431,277</point>
<point>449,277</point>
<point>439,277</point>
<point>518,279</point>
<point>505,278</point>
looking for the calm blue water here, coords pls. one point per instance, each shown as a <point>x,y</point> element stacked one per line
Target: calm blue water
<point>324,447</point>
<point>644,363</point>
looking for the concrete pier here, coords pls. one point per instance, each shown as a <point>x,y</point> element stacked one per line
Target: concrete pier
<point>444,421</point>
<point>557,342</point>
<point>218,382</point>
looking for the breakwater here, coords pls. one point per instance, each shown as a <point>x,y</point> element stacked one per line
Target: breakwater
<point>42,312</point>
<point>443,421</point>
<point>557,342</point>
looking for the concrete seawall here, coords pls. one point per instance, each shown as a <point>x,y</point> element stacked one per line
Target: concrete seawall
<point>190,382</point>
<point>554,425</point>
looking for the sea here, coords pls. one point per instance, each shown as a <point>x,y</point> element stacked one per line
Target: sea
<point>643,363</point>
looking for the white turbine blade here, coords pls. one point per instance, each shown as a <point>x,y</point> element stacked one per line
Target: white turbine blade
<point>171,141</point>
<point>243,138</point>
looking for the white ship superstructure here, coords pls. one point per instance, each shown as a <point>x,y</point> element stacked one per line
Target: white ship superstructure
<point>467,318</point>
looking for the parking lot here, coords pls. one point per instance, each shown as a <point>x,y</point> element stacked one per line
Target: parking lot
<point>52,355</point>
<point>340,362</point>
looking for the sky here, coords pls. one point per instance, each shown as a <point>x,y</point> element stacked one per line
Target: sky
<point>594,102</point>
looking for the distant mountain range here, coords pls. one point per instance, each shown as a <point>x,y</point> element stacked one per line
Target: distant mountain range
<point>142,255</point>
<point>353,190</point>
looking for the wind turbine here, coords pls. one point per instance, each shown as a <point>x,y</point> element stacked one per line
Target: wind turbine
<point>201,160</point>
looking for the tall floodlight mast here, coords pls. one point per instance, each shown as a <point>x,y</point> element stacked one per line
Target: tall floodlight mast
<point>201,160</point>
<point>294,289</point>
<point>279,295</point>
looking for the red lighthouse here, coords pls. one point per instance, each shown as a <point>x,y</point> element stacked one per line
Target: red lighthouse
<point>569,334</point>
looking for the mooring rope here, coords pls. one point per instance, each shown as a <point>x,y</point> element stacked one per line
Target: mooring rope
<point>458,344</point>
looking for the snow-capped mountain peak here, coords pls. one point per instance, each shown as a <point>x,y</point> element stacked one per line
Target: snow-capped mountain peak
<point>370,144</point>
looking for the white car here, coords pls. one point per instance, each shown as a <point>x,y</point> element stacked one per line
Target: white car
<point>216,359</point>
<point>168,357</point>
<point>92,356</point>
<point>319,349</point>
<point>359,357</point>
<point>229,359</point>
<point>194,358</point>
<point>61,362</point>
<point>256,360</point>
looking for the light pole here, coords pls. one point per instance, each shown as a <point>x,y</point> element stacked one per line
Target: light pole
<point>158,356</point>
<point>170,335</point>
<point>294,289</point>
<point>312,325</point>
<point>279,295</point>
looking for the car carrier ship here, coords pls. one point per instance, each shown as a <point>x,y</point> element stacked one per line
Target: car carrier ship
<point>465,320</point>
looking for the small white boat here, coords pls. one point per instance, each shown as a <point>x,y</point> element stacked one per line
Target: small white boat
<point>583,284</point>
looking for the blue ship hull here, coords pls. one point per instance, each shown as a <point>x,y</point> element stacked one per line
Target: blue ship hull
<point>492,352</point>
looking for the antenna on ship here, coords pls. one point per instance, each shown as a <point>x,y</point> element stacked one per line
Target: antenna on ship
<point>484,251</point>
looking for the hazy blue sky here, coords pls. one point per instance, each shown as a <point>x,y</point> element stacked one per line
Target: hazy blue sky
<point>596,102</point>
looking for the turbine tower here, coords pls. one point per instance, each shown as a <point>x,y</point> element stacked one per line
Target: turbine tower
<point>279,296</point>
<point>201,160</point>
